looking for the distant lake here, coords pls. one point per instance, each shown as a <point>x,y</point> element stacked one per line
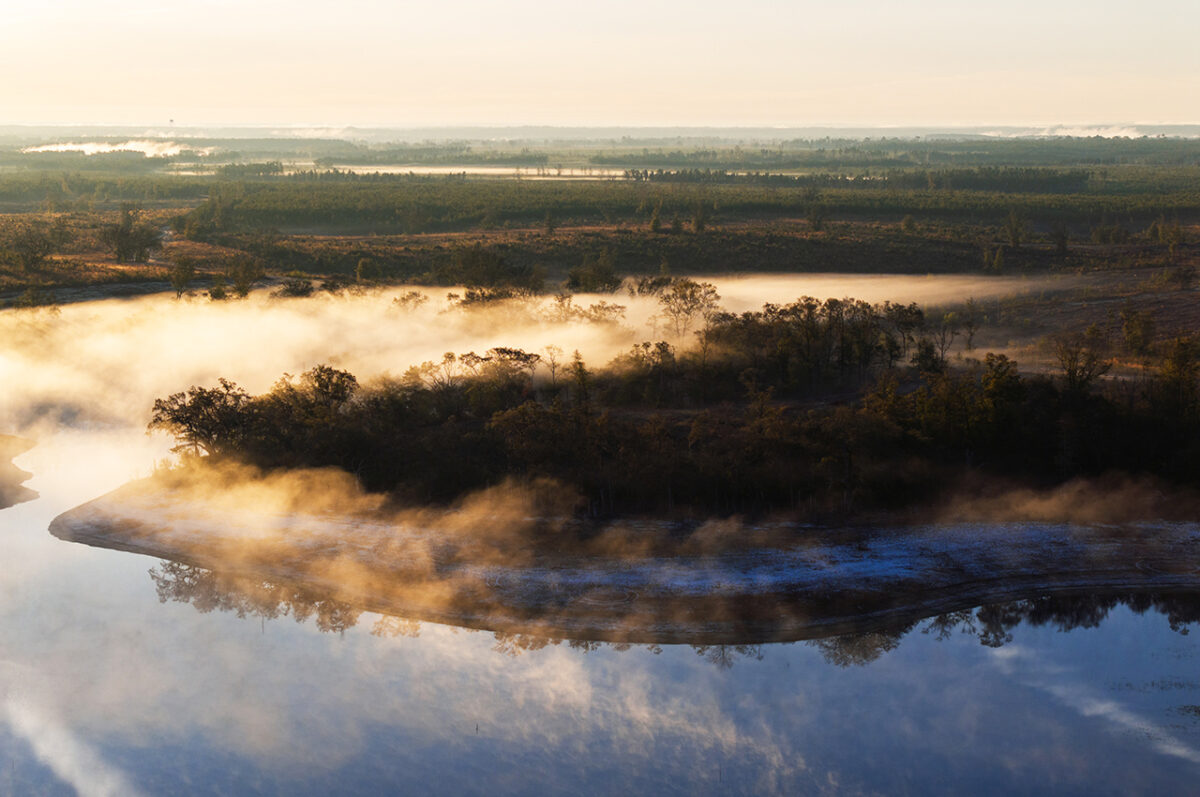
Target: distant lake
<point>471,170</point>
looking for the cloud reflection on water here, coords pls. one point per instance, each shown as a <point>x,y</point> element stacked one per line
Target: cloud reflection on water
<point>71,760</point>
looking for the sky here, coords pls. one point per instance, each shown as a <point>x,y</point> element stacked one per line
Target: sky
<point>621,62</point>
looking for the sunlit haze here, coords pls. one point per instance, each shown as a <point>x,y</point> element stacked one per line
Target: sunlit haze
<point>505,398</point>
<point>364,62</point>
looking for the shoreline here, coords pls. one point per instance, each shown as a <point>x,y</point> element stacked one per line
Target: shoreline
<point>12,478</point>
<point>824,582</point>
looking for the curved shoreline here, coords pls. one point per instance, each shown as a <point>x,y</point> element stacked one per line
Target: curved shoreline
<point>12,478</point>
<point>825,582</point>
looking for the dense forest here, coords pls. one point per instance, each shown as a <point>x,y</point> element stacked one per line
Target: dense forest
<point>83,191</point>
<point>936,151</point>
<point>1009,180</point>
<point>415,204</point>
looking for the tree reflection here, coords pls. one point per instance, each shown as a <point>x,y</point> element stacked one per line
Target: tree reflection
<point>389,626</point>
<point>856,650</point>
<point>992,625</point>
<point>518,644</point>
<point>944,625</point>
<point>724,656</point>
<point>12,478</point>
<point>207,590</point>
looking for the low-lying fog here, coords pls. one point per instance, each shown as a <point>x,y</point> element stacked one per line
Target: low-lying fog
<point>105,362</point>
<point>149,148</point>
<point>108,691</point>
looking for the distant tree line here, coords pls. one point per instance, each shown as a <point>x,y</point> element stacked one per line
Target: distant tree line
<point>439,154</point>
<point>1008,179</point>
<point>892,152</point>
<point>80,191</point>
<point>419,204</point>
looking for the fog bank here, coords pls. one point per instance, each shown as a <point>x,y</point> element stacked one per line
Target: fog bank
<point>106,361</point>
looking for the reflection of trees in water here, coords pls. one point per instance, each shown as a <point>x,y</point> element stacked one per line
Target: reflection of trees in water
<point>519,644</point>
<point>12,478</point>
<point>859,649</point>
<point>516,644</point>
<point>1070,612</point>
<point>724,656</point>
<point>943,626</point>
<point>207,591</point>
<point>992,625</point>
<point>389,626</point>
<point>721,656</point>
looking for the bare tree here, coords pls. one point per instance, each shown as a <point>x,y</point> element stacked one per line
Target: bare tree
<point>684,302</point>
<point>553,353</point>
<point>1081,361</point>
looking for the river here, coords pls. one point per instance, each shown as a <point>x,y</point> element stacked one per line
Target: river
<point>121,674</point>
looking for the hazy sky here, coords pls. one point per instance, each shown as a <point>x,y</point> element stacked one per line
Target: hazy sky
<point>754,62</point>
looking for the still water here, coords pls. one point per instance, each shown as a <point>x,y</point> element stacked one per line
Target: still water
<point>122,674</point>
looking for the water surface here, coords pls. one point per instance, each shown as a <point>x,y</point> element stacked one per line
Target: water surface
<point>120,674</point>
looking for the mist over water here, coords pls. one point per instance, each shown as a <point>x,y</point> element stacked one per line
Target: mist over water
<point>81,379</point>
<point>149,148</point>
<point>106,690</point>
<point>106,361</point>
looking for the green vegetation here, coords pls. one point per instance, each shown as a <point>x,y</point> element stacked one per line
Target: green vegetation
<point>130,238</point>
<point>417,204</point>
<point>940,152</point>
<point>938,205</point>
<point>27,191</point>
